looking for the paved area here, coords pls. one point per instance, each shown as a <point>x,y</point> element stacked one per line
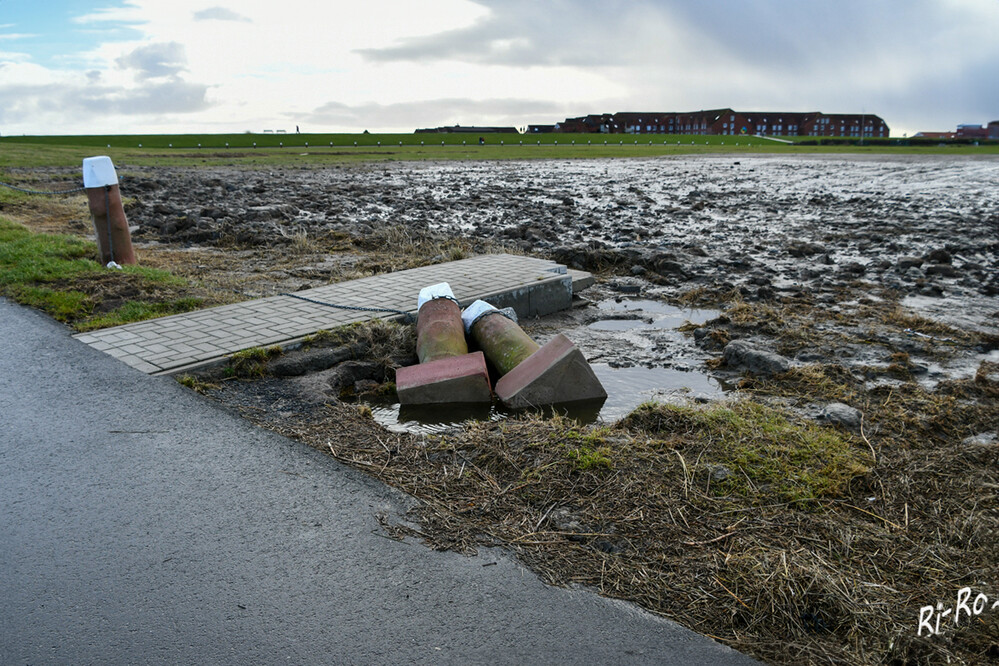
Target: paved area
<point>179,342</point>
<point>142,524</point>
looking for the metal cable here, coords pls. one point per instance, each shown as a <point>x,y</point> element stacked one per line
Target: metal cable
<point>408,315</point>
<point>26,191</point>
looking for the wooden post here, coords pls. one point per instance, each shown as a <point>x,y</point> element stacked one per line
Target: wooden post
<point>114,242</point>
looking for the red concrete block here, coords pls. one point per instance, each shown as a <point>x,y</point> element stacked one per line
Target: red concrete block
<point>555,374</point>
<point>456,379</point>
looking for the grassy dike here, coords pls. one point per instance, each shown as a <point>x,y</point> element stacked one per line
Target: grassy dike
<point>305,150</point>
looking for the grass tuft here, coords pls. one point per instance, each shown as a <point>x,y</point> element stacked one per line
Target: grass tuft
<point>250,362</point>
<point>766,451</point>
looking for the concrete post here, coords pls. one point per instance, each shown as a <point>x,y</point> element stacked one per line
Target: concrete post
<point>532,376</point>
<point>447,373</point>
<point>439,333</point>
<point>114,242</point>
<point>504,343</point>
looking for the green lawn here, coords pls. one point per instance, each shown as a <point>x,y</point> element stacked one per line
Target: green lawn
<point>58,274</point>
<point>312,149</point>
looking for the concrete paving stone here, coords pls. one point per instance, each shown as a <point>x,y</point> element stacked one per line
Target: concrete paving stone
<point>144,366</point>
<point>192,337</point>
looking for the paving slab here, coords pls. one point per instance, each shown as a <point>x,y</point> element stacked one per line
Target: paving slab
<point>182,342</point>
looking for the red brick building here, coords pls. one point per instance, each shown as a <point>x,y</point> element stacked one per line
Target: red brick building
<point>971,132</point>
<point>967,132</point>
<point>729,122</point>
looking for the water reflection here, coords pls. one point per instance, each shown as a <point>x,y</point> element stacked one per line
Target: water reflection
<point>626,389</point>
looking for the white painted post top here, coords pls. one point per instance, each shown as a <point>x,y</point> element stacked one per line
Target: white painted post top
<point>434,291</point>
<point>474,312</point>
<point>99,172</point>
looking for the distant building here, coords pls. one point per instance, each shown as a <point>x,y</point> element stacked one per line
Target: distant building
<point>971,132</point>
<point>966,132</point>
<point>458,129</point>
<point>541,129</point>
<point>728,122</point>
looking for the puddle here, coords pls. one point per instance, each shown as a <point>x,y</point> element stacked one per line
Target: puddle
<point>660,312</point>
<point>626,388</point>
<point>974,312</point>
<point>662,316</point>
<point>429,420</point>
<point>618,325</point>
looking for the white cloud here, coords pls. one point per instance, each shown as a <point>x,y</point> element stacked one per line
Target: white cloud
<point>398,64</point>
<point>218,14</point>
<point>155,60</point>
<point>435,112</point>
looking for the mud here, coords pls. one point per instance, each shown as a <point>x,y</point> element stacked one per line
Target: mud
<point>766,225</point>
<point>886,265</point>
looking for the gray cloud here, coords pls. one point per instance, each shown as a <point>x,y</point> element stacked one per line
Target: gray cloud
<point>219,14</point>
<point>898,58</point>
<point>27,103</point>
<point>432,113</point>
<point>788,34</point>
<point>526,32</point>
<point>155,60</point>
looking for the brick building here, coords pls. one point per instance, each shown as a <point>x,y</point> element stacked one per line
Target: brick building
<point>966,132</point>
<point>729,122</point>
<point>971,132</point>
<point>458,129</point>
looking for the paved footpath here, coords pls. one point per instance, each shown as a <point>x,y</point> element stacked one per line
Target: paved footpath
<point>179,342</point>
<point>143,524</point>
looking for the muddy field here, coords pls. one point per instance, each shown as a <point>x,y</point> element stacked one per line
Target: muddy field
<point>845,237</point>
<point>767,226</point>
<point>825,330</point>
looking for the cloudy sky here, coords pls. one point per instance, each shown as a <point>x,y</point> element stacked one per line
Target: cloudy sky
<point>156,66</point>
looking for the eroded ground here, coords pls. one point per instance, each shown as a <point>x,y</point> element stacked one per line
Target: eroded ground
<point>807,489</point>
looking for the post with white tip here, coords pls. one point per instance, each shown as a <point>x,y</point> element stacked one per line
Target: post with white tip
<point>114,242</point>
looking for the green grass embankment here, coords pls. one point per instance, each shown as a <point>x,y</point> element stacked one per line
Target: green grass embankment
<point>319,149</point>
<point>58,275</point>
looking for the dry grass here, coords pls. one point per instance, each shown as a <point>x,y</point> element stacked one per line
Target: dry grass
<point>808,551</point>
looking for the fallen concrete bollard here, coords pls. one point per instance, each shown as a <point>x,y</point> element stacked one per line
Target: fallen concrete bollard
<point>114,242</point>
<point>503,341</point>
<point>447,373</point>
<point>531,376</point>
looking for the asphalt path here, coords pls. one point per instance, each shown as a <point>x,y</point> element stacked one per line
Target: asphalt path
<point>143,524</point>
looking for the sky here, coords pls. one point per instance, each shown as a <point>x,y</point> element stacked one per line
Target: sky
<point>179,66</point>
